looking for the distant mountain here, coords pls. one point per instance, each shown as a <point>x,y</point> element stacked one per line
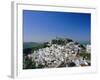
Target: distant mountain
<point>84,42</point>
<point>30,44</point>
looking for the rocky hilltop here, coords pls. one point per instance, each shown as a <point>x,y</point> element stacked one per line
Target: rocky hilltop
<point>60,52</point>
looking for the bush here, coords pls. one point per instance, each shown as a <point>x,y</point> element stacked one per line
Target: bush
<point>28,63</point>
<point>59,42</point>
<point>27,51</point>
<point>85,55</point>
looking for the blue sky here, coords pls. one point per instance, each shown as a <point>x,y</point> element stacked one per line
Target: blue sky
<point>40,26</point>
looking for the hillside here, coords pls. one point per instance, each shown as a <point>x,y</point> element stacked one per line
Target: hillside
<point>30,44</point>
<point>57,53</point>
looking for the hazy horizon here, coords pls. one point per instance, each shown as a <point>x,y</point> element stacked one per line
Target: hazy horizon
<point>54,38</point>
<point>42,26</point>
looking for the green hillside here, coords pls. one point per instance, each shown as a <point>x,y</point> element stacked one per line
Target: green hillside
<point>30,44</point>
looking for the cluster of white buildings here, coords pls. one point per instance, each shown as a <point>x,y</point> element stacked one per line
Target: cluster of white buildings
<point>88,48</point>
<point>58,55</point>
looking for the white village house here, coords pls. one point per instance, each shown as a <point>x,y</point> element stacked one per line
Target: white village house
<point>88,48</point>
